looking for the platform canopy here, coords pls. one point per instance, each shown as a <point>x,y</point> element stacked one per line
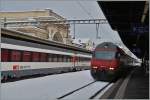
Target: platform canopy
<point>131,20</point>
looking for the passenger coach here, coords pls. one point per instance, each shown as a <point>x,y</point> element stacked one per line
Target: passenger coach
<point>24,55</point>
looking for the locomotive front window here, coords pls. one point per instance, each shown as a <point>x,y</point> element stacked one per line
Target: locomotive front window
<point>104,54</point>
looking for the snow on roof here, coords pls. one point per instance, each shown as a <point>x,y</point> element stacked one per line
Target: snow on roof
<point>81,40</point>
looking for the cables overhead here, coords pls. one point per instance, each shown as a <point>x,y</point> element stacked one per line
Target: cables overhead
<point>85,10</point>
<point>90,15</point>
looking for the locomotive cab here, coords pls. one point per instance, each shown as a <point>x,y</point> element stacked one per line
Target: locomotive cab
<point>105,62</point>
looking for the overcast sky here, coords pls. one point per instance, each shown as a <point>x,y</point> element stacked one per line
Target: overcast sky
<point>70,10</point>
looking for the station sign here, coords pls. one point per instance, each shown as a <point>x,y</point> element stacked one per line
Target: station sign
<point>139,29</point>
<point>136,50</point>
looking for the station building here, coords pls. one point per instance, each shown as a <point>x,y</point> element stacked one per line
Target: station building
<point>20,21</point>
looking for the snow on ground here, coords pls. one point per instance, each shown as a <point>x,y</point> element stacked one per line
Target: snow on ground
<point>87,92</point>
<point>45,88</point>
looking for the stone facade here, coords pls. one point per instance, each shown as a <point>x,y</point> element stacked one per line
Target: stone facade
<point>29,14</point>
<point>51,31</point>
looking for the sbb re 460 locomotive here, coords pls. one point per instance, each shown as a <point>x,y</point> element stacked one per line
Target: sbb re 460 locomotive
<point>108,61</point>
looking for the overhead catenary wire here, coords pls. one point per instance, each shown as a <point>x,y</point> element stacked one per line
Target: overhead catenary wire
<point>90,15</point>
<point>85,10</point>
<point>110,33</point>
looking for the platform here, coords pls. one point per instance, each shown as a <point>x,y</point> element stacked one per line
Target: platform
<point>133,86</point>
<point>138,85</point>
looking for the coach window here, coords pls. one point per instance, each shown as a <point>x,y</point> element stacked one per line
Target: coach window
<point>26,56</point>
<point>15,56</point>
<point>65,57</point>
<point>85,59</point>
<point>62,58</point>
<point>82,59</point>
<point>43,57</point>
<point>78,59</point>
<point>50,57</point>
<point>55,58</point>
<point>58,58</point>
<point>4,55</point>
<point>35,56</point>
<point>69,58</point>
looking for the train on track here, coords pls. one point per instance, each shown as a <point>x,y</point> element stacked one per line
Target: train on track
<point>109,61</point>
<point>25,55</point>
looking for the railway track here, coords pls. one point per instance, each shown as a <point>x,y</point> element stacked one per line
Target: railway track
<point>98,92</point>
<point>81,90</point>
<point>71,92</point>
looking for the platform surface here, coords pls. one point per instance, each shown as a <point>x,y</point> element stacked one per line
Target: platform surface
<point>138,85</point>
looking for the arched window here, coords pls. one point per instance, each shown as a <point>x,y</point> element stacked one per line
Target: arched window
<point>57,37</point>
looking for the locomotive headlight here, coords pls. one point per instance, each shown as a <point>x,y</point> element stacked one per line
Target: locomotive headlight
<point>95,67</point>
<point>111,68</point>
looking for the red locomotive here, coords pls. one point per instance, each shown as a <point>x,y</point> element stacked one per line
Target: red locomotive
<point>107,61</point>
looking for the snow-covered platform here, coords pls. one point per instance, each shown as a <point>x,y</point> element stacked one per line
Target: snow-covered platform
<point>49,87</point>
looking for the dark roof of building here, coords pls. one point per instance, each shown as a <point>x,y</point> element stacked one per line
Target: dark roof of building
<point>125,17</point>
<point>19,35</point>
